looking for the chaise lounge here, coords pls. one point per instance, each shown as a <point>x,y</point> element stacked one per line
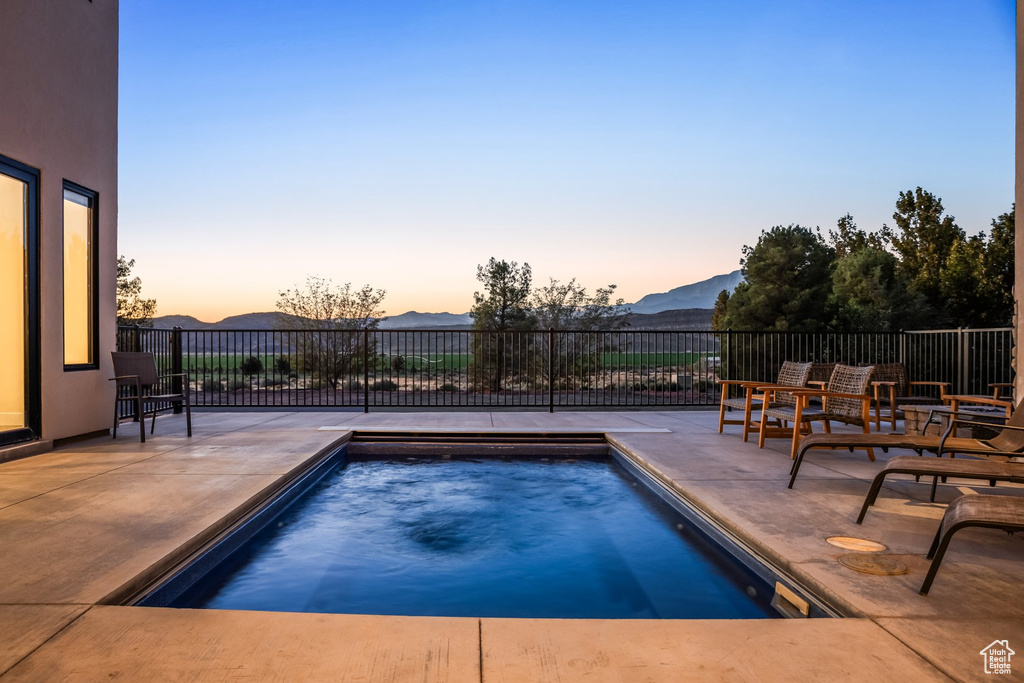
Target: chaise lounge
<point>994,512</point>
<point>1009,441</point>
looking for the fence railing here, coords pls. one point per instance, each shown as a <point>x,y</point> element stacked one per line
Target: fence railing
<point>538,369</point>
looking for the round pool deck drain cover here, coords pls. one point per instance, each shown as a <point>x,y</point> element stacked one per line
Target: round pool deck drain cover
<point>873,564</point>
<point>861,545</point>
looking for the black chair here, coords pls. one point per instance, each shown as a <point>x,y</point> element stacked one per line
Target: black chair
<point>138,370</point>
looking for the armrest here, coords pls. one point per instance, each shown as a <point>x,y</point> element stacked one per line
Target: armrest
<point>984,400</point>
<point>832,394</point>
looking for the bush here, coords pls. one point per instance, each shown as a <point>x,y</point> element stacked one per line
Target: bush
<point>354,385</point>
<point>283,366</point>
<point>211,384</point>
<point>384,385</point>
<point>236,384</point>
<point>251,366</point>
<point>448,386</point>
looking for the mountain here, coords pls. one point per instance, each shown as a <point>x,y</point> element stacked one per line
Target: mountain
<point>416,320</point>
<point>698,295</point>
<point>676,320</point>
<point>246,321</point>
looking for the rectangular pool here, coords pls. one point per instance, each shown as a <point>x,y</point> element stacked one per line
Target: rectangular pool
<point>485,538</point>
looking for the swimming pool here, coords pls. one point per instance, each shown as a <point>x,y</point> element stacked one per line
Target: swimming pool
<point>484,537</point>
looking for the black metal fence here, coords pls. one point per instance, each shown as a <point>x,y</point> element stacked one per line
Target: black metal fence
<point>542,369</point>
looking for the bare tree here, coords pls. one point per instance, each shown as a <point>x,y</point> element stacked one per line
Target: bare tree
<point>333,318</point>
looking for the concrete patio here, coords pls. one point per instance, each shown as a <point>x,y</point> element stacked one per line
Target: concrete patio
<point>87,522</point>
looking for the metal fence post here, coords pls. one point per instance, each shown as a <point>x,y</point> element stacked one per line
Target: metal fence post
<point>366,369</point>
<point>176,366</point>
<point>962,364</point>
<point>551,369</point>
<point>136,343</point>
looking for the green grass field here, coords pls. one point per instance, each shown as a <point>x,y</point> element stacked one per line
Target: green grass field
<point>227,363</point>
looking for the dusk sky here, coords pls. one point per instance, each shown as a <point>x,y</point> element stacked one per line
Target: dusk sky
<point>400,144</point>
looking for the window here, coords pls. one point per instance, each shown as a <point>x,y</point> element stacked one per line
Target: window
<point>81,285</point>
<point>19,302</point>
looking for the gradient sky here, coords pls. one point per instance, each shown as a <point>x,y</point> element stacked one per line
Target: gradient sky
<point>400,144</point>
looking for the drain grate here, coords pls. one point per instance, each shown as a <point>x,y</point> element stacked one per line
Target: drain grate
<point>873,564</point>
<point>861,545</point>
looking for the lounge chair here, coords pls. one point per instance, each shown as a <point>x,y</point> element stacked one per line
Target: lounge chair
<point>985,469</point>
<point>138,370</point>
<point>845,400</point>
<point>791,374</point>
<point>1009,441</point>
<point>893,389</point>
<point>994,512</point>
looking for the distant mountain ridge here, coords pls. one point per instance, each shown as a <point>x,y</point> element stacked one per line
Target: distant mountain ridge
<point>685,307</point>
<point>698,295</point>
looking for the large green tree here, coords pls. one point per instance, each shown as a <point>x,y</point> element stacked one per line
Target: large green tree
<point>923,239</point>
<point>787,280</point>
<point>501,312</point>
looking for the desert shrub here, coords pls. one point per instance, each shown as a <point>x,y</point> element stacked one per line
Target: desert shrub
<point>210,384</point>
<point>283,365</point>
<point>354,385</point>
<point>448,386</point>
<point>273,382</point>
<point>236,384</point>
<point>397,363</point>
<point>384,385</point>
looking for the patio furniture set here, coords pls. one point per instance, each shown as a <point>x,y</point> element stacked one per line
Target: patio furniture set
<point>986,428</point>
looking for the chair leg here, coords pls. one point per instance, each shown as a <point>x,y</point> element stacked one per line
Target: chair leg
<point>188,416</point>
<point>142,419</point>
<point>935,554</point>
<point>116,420</point>
<point>721,413</point>
<point>869,500</point>
<point>152,428</point>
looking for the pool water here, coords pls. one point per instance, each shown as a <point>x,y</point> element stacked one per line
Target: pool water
<point>484,538</point>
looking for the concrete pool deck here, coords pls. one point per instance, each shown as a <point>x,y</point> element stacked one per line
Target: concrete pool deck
<point>87,521</point>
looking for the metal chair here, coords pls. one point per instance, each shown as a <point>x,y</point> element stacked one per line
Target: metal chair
<point>138,370</point>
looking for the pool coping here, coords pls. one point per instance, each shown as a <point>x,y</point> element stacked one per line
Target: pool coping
<point>56,642</point>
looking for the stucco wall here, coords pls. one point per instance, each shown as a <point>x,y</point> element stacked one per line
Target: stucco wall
<point>1018,288</point>
<point>58,113</point>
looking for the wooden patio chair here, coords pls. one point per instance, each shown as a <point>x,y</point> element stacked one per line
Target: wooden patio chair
<point>845,400</point>
<point>791,374</point>
<point>138,370</point>
<point>892,389</point>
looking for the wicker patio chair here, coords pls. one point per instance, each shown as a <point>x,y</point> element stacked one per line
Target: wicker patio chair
<point>893,389</point>
<point>994,512</point>
<point>791,374</point>
<point>845,400</point>
<point>138,370</point>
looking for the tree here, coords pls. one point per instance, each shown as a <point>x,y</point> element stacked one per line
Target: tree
<point>998,273</point>
<point>848,238</point>
<point>569,307</point>
<point>333,318</point>
<point>499,313</point>
<point>718,317</point>
<point>923,239</point>
<point>869,294</point>
<point>132,309</point>
<point>787,283</point>
<point>250,366</point>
